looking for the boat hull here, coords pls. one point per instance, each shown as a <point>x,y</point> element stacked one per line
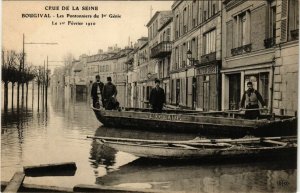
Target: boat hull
<point>200,124</point>
<point>165,152</point>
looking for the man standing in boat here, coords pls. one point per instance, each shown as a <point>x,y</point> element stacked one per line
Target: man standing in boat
<point>250,99</point>
<point>96,92</point>
<point>157,98</point>
<point>109,95</point>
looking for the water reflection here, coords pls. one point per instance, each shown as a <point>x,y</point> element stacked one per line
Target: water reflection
<point>102,155</point>
<point>255,177</point>
<point>225,176</point>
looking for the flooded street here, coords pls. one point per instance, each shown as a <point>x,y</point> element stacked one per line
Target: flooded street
<point>38,135</point>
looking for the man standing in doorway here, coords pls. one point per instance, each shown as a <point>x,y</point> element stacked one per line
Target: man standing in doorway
<point>157,98</point>
<point>109,95</point>
<point>250,99</point>
<point>96,92</point>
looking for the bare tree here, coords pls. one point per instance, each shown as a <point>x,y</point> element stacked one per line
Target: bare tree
<point>19,62</point>
<point>8,72</point>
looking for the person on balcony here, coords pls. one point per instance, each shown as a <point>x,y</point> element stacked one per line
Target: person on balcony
<point>157,98</point>
<point>250,98</point>
<point>96,92</point>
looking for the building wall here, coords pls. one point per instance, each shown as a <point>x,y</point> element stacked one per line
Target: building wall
<point>285,100</point>
<point>255,62</point>
<point>194,21</point>
<point>286,80</point>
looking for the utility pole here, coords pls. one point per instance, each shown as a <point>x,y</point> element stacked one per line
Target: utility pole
<point>43,84</point>
<point>23,69</point>
<point>46,90</point>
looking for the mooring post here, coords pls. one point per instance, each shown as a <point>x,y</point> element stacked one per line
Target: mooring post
<point>15,183</point>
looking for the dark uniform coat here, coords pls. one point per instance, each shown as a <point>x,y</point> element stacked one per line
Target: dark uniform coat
<point>97,86</point>
<point>157,99</point>
<point>109,90</point>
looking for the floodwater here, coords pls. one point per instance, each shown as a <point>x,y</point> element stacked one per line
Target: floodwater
<point>57,133</point>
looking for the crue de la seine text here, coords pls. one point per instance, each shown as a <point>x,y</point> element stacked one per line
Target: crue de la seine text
<point>71,15</point>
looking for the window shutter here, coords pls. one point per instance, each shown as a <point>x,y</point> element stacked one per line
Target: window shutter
<point>257,25</point>
<point>283,25</point>
<point>229,37</point>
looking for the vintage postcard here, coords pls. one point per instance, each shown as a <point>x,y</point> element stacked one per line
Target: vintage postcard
<point>149,96</point>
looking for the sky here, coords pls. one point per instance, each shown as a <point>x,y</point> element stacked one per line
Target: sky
<point>73,39</point>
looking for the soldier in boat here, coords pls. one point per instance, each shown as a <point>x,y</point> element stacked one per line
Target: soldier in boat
<point>250,98</point>
<point>96,92</point>
<point>157,98</point>
<point>109,95</point>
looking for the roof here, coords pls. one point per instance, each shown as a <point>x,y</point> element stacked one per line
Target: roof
<point>155,16</point>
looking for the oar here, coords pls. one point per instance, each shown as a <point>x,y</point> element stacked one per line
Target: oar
<point>256,109</point>
<point>188,142</point>
<point>191,141</point>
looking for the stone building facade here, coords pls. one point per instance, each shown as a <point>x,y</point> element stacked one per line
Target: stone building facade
<point>252,47</point>
<point>205,52</point>
<point>197,34</point>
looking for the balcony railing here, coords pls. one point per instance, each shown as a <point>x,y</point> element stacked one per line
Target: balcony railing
<point>295,34</point>
<point>161,50</point>
<point>269,42</point>
<point>211,57</point>
<point>241,50</point>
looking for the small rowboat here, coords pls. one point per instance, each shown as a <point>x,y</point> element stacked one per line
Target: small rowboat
<point>218,124</point>
<point>204,148</point>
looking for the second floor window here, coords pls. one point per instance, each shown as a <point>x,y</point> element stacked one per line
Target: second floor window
<point>272,20</point>
<point>243,30</point>
<point>242,22</point>
<point>293,19</point>
<point>177,27</point>
<point>209,42</point>
<point>185,16</point>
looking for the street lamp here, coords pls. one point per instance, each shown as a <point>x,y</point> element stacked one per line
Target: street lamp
<point>194,83</point>
<point>190,58</point>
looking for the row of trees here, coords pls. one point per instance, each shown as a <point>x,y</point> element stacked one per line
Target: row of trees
<point>14,71</point>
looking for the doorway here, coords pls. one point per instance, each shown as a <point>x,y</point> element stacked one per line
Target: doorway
<point>234,91</point>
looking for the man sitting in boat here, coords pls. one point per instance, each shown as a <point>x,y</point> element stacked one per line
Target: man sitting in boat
<point>157,98</point>
<point>109,95</point>
<point>250,99</point>
<point>96,92</point>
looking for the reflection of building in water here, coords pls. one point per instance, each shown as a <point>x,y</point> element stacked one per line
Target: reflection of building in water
<point>235,178</point>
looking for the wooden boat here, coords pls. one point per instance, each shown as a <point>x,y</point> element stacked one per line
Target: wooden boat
<point>221,123</point>
<point>204,148</point>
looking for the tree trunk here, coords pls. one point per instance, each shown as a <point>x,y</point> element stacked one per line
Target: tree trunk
<point>5,96</point>
<point>43,92</point>
<point>32,93</point>
<point>22,92</point>
<point>26,94</point>
<point>18,95</point>
<point>38,96</point>
<point>46,95</point>
<point>12,94</point>
<point>22,98</point>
